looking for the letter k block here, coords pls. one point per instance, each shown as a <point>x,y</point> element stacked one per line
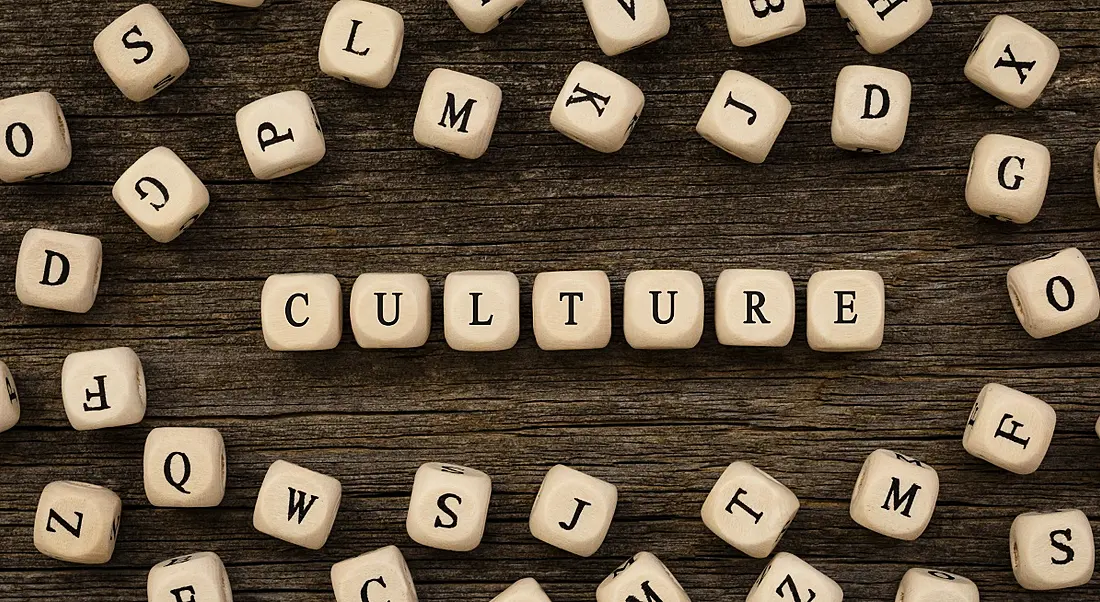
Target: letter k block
<point>597,107</point>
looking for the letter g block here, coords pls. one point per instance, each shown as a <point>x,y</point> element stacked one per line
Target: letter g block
<point>58,270</point>
<point>1054,293</point>
<point>1007,178</point>
<point>449,506</point>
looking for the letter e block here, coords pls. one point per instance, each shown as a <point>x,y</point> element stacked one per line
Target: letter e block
<point>481,310</point>
<point>749,509</point>
<point>141,53</point>
<point>571,310</point>
<point>297,505</point>
<point>597,107</point>
<point>1054,293</point>
<point>573,511</point>
<point>382,572</point>
<point>35,137</point>
<point>58,270</point>
<point>77,522</point>
<point>871,109</point>
<point>895,495</point>
<point>361,43</point>
<point>457,113</point>
<point>1052,550</point>
<point>161,194</point>
<point>845,310</point>
<point>197,577</point>
<point>103,388</point>
<point>280,134</point>
<point>663,309</point>
<point>928,585</point>
<point>391,311</point>
<point>184,467</point>
<point>302,312</point>
<point>1008,178</point>
<point>449,506</point>
<point>788,578</point>
<point>754,308</point>
<point>879,25</point>
<point>1012,61</point>
<point>641,577</point>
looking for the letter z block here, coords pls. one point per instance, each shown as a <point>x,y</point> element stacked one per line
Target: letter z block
<point>382,572</point>
<point>297,505</point>
<point>895,495</point>
<point>642,577</point>
<point>1054,293</point>
<point>198,577</point>
<point>77,522</point>
<point>280,134</point>
<point>58,270</point>
<point>457,113</point>
<point>449,506</point>
<point>1052,550</point>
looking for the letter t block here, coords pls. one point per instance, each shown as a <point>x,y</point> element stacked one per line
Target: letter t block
<point>749,509</point>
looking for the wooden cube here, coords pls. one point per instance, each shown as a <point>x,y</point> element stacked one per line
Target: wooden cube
<point>744,116</point>
<point>928,585</point>
<point>571,310</point>
<point>184,467</point>
<point>845,310</point>
<point>524,590</point>
<point>280,134</point>
<point>197,577</point>
<point>1012,61</point>
<point>597,107</point>
<point>481,310</point>
<point>752,22</point>
<point>383,571</point>
<point>103,388</point>
<point>622,25</point>
<point>361,43</point>
<point>1010,429</point>
<point>297,505</point>
<point>449,506</point>
<point>754,308</point>
<point>9,400</point>
<point>879,25</point>
<point>77,522</point>
<point>641,577</point>
<point>663,309</point>
<point>1054,293</point>
<point>573,511</point>
<point>749,509</point>
<point>1052,550</point>
<point>895,495</point>
<point>141,53</point>
<point>58,270</point>
<point>482,16</point>
<point>391,311</point>
<point>161,194</point>
<point>871,109</point>
<point>244,3</point>
<point>457,113</point>
<point>788,578</point>
<point>35,135</point>
<point>302,312</point>
<point>1008,178</point>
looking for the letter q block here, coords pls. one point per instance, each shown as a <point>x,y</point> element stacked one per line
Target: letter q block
<point>871,109</point>
<point>280,134</point>
<point>77,522</point>
<point>383,571</point>
<point>895,495</point>
<point>1054,293</point>
<point>301,312</point>
<point>58,270</point>
<point>141,53</point>
<point>198,577</point>
<point>184,467</point>
<point>1008,178</point>
<point>1010,429</point>
<point>35,137</point>
<point>103,388</point>
<point>845,310</point>
<point>297,505</point>
<point>457,113</point>
<point>641,577</point>
<point>449,506</point>
<point>1052,550</point>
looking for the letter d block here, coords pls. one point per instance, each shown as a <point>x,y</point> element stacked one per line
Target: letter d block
<point>378,575</point>
<point>449,506</point>
<point>302,312</point>
<point>1007,178</point>
<point>481,310</point>
<point>280,134</point>
<point>1054,293</point>
<point>141,53</point>
<point>198,577</point>
<point>845,310</point>
<point>1010,429</point>
<point>184,467</point>
<point>103,388</point>
<point>297,505</point>
<point>457,113</point>
<point>77,522</point>
<point>895,495</point>
<point>1052,550</point>
<point>58,270</point>
<point>642,577</point>
<point>749,509</point>
<point>788,578</point>
<point>871,109</point>
<point>573,511</point>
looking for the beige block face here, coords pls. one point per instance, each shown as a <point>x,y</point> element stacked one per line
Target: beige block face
<point>663,309</point>
<point>744,116</point>
<point>244,3</point>
<point>361,43</point>
<point>161,194</point>
<point>9,400</point>
<point>597,107</point>
<point>1052,550</point>
<point>931,585</point>
<point>871,109</point>
<point>77,522</point>
<point>1012,61</point>
<point>103,388</point>
<point>845,310</point>
<point>1054,293</point>
<point>622,25</point>
<point>58,270</point>
<point>895,495</point>
<point>391,311</point>
<point>280,134</point>
<point>457,113</point>
<point>754,308</point>
<point>1009,429</point>
<point>482,16</point>
<point>882,24</point>
<point>1008,178</point>
<point>302,312</point>
<point>481,310</point>
<point>35,136</point>
<point>642,572</point>
<point>524,590</point>
<point>184,467</point>
<point>788,577</point>
<point>749,509</point>
<point>449,506</point>
<point>573,511</point>
<point>751,22</point>
<point>1096,172</point>
<point>141,53</point>
<point>297,505</point>
<point>381,573</point>
<point>571,310</point>
<point>198,577</point>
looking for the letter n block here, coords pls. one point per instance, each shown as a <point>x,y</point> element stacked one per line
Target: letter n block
<point>297,505</point>
<point>58,270</point>
<point>449,506</point>
<point>641,577</point>
<point>895,495</point>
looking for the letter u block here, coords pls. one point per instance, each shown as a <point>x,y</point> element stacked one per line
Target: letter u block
<point>161,194</point>
<point>35,137</point>
<point>788,578</point>
<point>391,311</point>
<point>77,522</point>
<point>361,43</point>
<point>641,577</point>
<point>141,53</point>
<point>198,577</point>
<point>573,511</point>
<point>481,310</point>
<point>1008,178</point>
<point>1013,61</point>
<point>1052,550</point>
<point>382,573</point>
<point>1010,429</point>
<point>301,312</point>
<point>457,113</point>
<point>103,388</point>
<point>58,270</point>
<point>879,25</point>
<point>663,309</point>
<point>297,505</point>
<point>1054,293</point>
<point>597,107</point>
<point>845,310</point>
<point>280,134</point>
<point>184,467</point>
<point>871,109</point>
<point>749,509</point>
<point>895,495</point>
<point>449,506</point>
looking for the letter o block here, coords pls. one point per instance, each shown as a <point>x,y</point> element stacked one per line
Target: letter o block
<point>1013,61</point>
<point>895,495</point>
<point>77,522</point>
<point>481,310</point>
<point>663,309</point>
<point>103,388</point>
<point>845,310</point>
<point>449,506</point>
<point>1008,178</point>
<point>361,43</point>
<point>597,107</point>
<point>788,578</point>
<point>749,509</point>
<point>280,134</point>
<point>1054,293</point>
<point>198,577</point>
<point>301,312</point>
<point>141,53</point>
<point>1052,550</point>
<point>161,194</point>
<point>297,505</point>
<point>879,25</point>
<point>35,137</point>
<point>1010,429</point>
<point>457,113</point>
<point>383,571</point>
<point>573,511</point>
<point>641,577</point>
<point>871,109</point>
<point>184,467</point>
<point>58,270</point>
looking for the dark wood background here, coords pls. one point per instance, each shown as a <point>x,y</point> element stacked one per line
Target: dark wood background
<point>660,425</point>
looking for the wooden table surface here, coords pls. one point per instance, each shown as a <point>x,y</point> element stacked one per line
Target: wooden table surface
<point>660,425</point>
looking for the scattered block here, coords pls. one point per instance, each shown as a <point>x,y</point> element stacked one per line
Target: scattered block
<point>754,308</point>
<point>302,312</point>
<point>103,388</point>
<point>641,577</point>
<point>1008,178</point>
<point>280,134</point>
<point>1010,429</point>
<point>895,495</point>
<point>198,577</point>
<point>1054,293</point>
<point>391,311</point>
<point>383,571</point>
<point>184,467</point>
<point>457,113</point>
<point>36,137</point>
<point>744,116</point>
<point>524,590</point>
<point>361,43</point>
<point>573,511</point>
<point>597,107</point>
<point>482,16</point>
<point>9,400</point>
<point>77,522</point>
<point>481,310</point>
<point>928,585</point>
<point>663,309</point>
<point>758,21</point>
<point>787,577</point>
<point>1012,61</point>
<point>141,53</point>
<point>297,505</point>
<point>58,270</point>
<point>161,194</point>
<point>1052,550</point>
<point>882,24</point>
<point>749,509</point>
<point>621,26</point>
<point>571,310</point>
<point>871,109</point>
<point>449,506</point>
<point>845,310</point>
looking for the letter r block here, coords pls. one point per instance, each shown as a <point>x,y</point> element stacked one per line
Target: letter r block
<point>199,576</point>
<point>457,113</point>
<point>895,495</point>
<point>449,506</point>
<point>1008,178</point>
<point>297,505</point>
<point>1010,429</point>
<point>58,270</point>
<point>184,467</point>
<point>1054,293</point>
<point>378,575</point>
<point>845,310</point>
<point>77,522</point>
<point>1052,550</point>
<point>301,312</point>
<point>754,308</point>
<point>573,511</point>
<point>788,578</point>
<point>642,577</point>
<point>749,509</point>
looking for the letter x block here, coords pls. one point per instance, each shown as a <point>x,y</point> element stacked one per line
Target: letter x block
<point>361,43</point>
<point>597,107</point>
<point>749,509</point>
<point>280,134</point>
<point>77,522</point>
<point>141,53</point>
<point>871,109</point>
<point>184,467</point>
<point>297,505</point>
<point>1054,293</point>
<point>1052,550</point>
<point>752,22</point>
<point>449,506</point>
<point>1012,61</point>
<point>161,194</point>
<point>573,511</point>
<point>895,495</point>
<point>35,137</point>
<point>845,310</point>
<point>744,116</point>
<point>1010,429</point>
<point>928,585</point>
<point>381,573</point>
<point>9,400</point>
<point>663,309</point>
<point>754,308</point>
<point>302,312</point>
<point>1008,178</point>
<point>642,577</point>
<point>571,310</point>
<point>481,310</point>
<point>58,270</point>
<point>103,388</point>
<point>622,25</point>
<point>879,25</point>
<point>788,578</point>
<point>198,577</point>
<point>524,590</point>
<point>457,113</point>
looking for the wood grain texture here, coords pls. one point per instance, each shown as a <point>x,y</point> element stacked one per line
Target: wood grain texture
<point>660,425</point>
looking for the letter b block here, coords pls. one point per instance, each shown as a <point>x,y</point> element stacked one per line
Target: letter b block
<point>749,509</point>
<point>280,134</point>
<point>141,53</point>
<point>788,578</point>
<point>103,388</point>
<point>1012,61</point>
<point>457,113</point>
<point>597,107</point>
<point>382,572</point>
<point>1052,550</point>
<point>571,310</point>
<point>845,310</point>
<point>198,577</point>
<point>642,577</point>
<point>895,495</point>
<point>361,43</point>
<point>297,505</point>
<point>1008,178</point>
<point>481,310</point>
<point>77,522</point>
<point>871,109</point>
<point>449,506</point>
<point>184,467</point>
<point>752,22</point>
<point>161,194</point>
<point>927,585</point>
<point>1054,293</point>
<point>58,270</point>
<point>301,312</point>
<point>573,511</point>
<point>663,309</point>
<point>1010,429</point>
<point>35,137</point>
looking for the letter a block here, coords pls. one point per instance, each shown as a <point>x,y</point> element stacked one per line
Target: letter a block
<point>1008,178</point>
<point>663,309</point>
<point>141,53</point>
<point>35,137</point>
<point>788,578</point>
<point>895,495</point>
<point>749,509</point>
<point>481,310</point>
<point>571,310</point>
<point>744,116</point>
<point>871,109</point>
<point>879,25</point>
<point>391,311</point>
<point>754,308</point>
<point>622,25</point>
<point>58,270</point>
<point>845,310</point>
<point>573,511</point>
<point>482,16</point>
<point>928,585</point>
<point>184,467</point>
<point>198,577</point>
<point>1052,550</point>
<point>103,388</point>
<point>1010,429</point>
<point>524,590</point>
<point>382,572</point>
<point>297,505</point>
<point>597,107</point>
<point>280,134</point>
<point>449,506</point>
<point>9,400</point>
<point>1012,61</point>
<point>642,577</point>
<point>77,522</point>
<point>302,312</point>
<point>457,113</point>
<point>752,22</point>
<point>1054,293</point>
<point>361,43</point>
<point>161,194</point>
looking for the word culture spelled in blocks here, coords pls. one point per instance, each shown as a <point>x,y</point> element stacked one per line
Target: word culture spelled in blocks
<point>35,137</point>
<point>197,577</point>
<point>141,53</point>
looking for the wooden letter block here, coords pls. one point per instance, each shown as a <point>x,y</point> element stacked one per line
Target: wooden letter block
<point>871,109</point>
<point>58,270</point>
<point>1054,293</point>
<point>161,194</point>
<point>77,522</point>
<point>879,25</point>
<point>382,573</point>
<point>449,506</point>
<point>787,578</point>
<point>302,312</point>
<point>524,590</point>
<point>481,310</point>
<point>751,22</point>
<point>573,511</point>
<point>845,310</point>
<point>1010,429</point>
<point>457,113</point>
<point>928,585</point>
<point>361,43</point>
<point>749,509</point>
<point>620,25</point>
<point>297,505</point>
<point>754,308</point>
<point>663,309</point>
<point>244,3</point>
<point>571,310</point>
<point>744,116</point>
<point>103,388</point>
<point>280,134</point>
<point>9,400</point>
<point>482,16</point>
<point>1052,550</point>
<point>184,467</point>
<point>35,137</point>
<point>597,107</point>
<point>141,53</point>
<point>1008,178</point>
<point>391,311</point>
<point>641,577</point>
<point>198,577</point>
<point>895,495</point>
<point>1012,61</point>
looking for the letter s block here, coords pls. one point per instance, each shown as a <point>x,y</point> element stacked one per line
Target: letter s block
<point>1054,293</point>
<point>871,109</point>
<point>378,575</point>
<point>280,134</point>
<point>302,312</point>
<point>361,43</point>
<point>58,270</point>
<point>641,577</point>
<point>184,467</point>
<point>457,113</point>
<point>845,310</point>
<point>895,495</point>
<point>1010,429</point>
<point>749,509</point>
<point>297,505</point>
<point>141,53</point>
<point>449,506</point>
<point>161,194</point>
<point>199,576</point>
<point>788,578</point>
<point>35,137</point>
<point>77,522</point>
<point>573,510</point>
<point>1052,550</point>
<point>103,388</point>
<point>1008,178</point>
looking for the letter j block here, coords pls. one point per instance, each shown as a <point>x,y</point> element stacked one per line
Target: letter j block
<point>1010,429</point>
<point>845,310</point>
<point>361,43</point>
<point>481,310</point>
<point>457,113</point>
<point>641,577</point>
<point>597,107</point>
<point>280,134</point>
<point>449,506</point>
<point>297,505</point>
<point>1054,293</point>
<point>301,312</point>
<point>58,270</point>
<point>895,495</point>
<point>573,510</point>
<point>744,116</point>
